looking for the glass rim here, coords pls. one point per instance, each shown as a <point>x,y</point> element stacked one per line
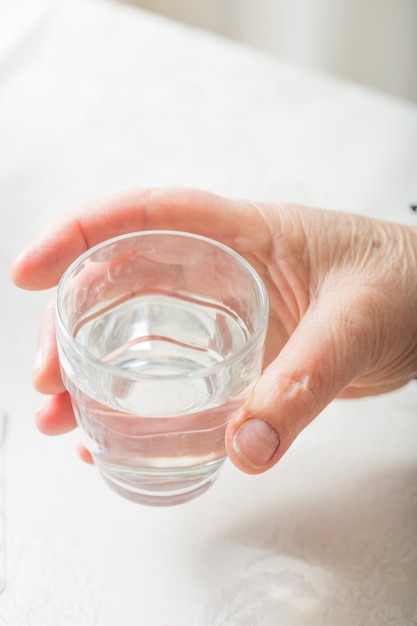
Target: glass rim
<point>61,326</point>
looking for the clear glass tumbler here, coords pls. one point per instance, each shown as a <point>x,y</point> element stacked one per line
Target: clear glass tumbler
<point>161,338</point>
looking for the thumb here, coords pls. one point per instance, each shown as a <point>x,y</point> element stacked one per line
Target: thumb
<point>323,355</point>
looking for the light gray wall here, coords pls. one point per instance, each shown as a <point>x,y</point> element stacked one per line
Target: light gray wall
<point>369,41</point>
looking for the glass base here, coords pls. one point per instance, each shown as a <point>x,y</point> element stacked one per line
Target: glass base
<point>159,487</point>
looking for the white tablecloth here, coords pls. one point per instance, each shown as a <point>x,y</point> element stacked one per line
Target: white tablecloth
<point>96,97</point>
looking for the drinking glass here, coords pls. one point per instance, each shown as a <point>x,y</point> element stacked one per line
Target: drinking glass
<point>160,339</point>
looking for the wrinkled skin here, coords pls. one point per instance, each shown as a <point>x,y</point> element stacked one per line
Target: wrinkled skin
<point>342,294</point>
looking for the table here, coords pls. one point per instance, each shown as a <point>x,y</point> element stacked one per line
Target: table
<point>97,97</point>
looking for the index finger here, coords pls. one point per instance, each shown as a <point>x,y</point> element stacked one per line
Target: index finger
<point>42,263</point>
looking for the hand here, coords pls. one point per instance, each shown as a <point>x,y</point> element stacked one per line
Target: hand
<point>342,297</point>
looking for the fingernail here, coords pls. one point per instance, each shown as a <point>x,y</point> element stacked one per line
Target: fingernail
<point>38,359</point>
<point>256,442</point>
<point>40,412</point>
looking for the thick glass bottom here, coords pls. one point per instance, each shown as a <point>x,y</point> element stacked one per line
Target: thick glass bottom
<point>159,487</point>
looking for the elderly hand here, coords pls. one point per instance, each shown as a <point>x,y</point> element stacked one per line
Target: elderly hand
<point>342,292</point>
